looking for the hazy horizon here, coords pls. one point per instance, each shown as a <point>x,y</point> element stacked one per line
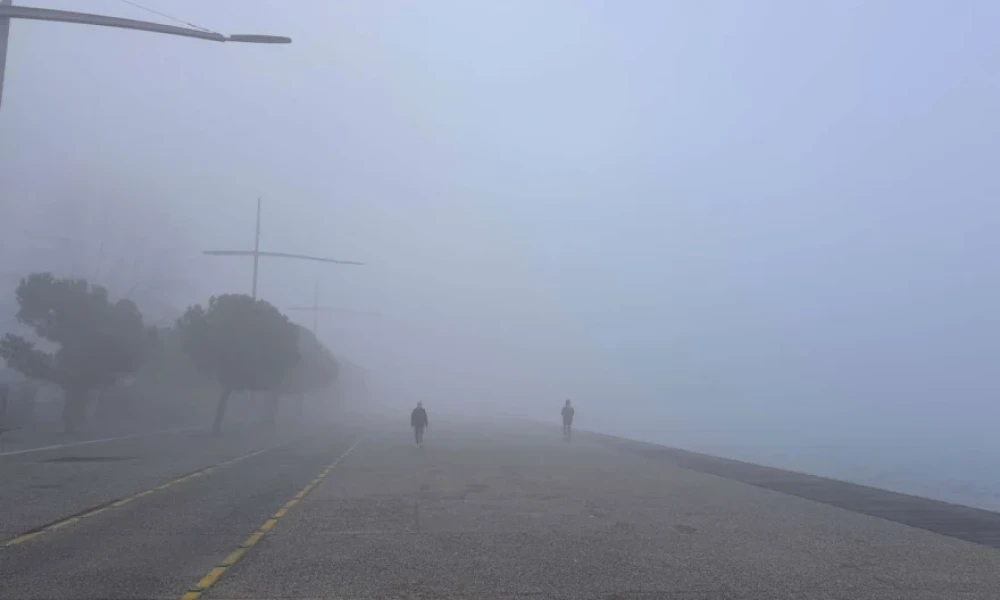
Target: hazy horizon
<point>714,224</point>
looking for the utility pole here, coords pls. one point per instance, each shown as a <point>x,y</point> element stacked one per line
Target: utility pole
<point>4,36</point>
<point>316,308</point>
<point>8,11</point>
<point>256,253</point>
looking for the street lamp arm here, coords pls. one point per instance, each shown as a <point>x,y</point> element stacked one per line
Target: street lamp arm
<point>316,258</point>
<point>254,38</point>
<point>279,255</point>
<point>67,16</point>
<point>8,12</point>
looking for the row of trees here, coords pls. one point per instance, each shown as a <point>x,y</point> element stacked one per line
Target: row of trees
<point>88,342</point>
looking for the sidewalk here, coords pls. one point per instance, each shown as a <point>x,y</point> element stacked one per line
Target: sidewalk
<point>488,512</point>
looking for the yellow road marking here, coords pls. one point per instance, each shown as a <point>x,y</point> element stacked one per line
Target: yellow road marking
<point>63,523</point>
<point>234,557</point>
<point>268,524</point>
<point>23,538</point>
<point>211,577</point>
<point>253,539</point>
<point>123,501</point>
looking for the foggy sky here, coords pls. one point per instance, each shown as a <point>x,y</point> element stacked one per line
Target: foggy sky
<point>725,220</point>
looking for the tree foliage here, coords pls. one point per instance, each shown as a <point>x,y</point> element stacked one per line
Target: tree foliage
<point>169,388</point>
<point>245,344</point>
<point>96,341</point>
<point>316,369</point>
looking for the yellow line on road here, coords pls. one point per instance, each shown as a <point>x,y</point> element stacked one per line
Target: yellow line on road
<point>113,504</point>
<point>211,577</point>
<point>234,557</point>
<point>268,524</point>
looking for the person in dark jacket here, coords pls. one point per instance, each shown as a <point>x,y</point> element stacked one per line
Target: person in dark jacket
<point>567,416</point>
<point>418,421</point>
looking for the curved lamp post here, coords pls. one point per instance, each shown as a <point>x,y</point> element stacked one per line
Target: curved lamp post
<point>8,12</point>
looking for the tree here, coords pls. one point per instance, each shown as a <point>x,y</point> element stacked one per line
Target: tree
<point>245,344</point>
<point>316,369</point>
<point>169,388</point>
<point>98,341</point>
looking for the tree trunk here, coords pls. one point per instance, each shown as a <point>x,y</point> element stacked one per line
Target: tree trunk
<point>220,411</point>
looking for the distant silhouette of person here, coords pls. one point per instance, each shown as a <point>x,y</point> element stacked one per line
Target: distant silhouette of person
<point>567,416</point>
<point>418,421</point>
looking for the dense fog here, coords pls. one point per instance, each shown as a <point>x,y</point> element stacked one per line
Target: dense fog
<point>764,229</point>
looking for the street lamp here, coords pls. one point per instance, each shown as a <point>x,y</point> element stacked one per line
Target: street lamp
<point>8,12</point>
<point>256,253</point>
<point>316,308</point>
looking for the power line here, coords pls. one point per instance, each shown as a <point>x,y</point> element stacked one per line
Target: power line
<point>166,16</point>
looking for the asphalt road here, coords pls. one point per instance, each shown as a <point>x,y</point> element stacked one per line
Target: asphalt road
<point>480,512</point>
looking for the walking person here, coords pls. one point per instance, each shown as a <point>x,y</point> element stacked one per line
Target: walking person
<point>567,417</point>
<point>418,421</point>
